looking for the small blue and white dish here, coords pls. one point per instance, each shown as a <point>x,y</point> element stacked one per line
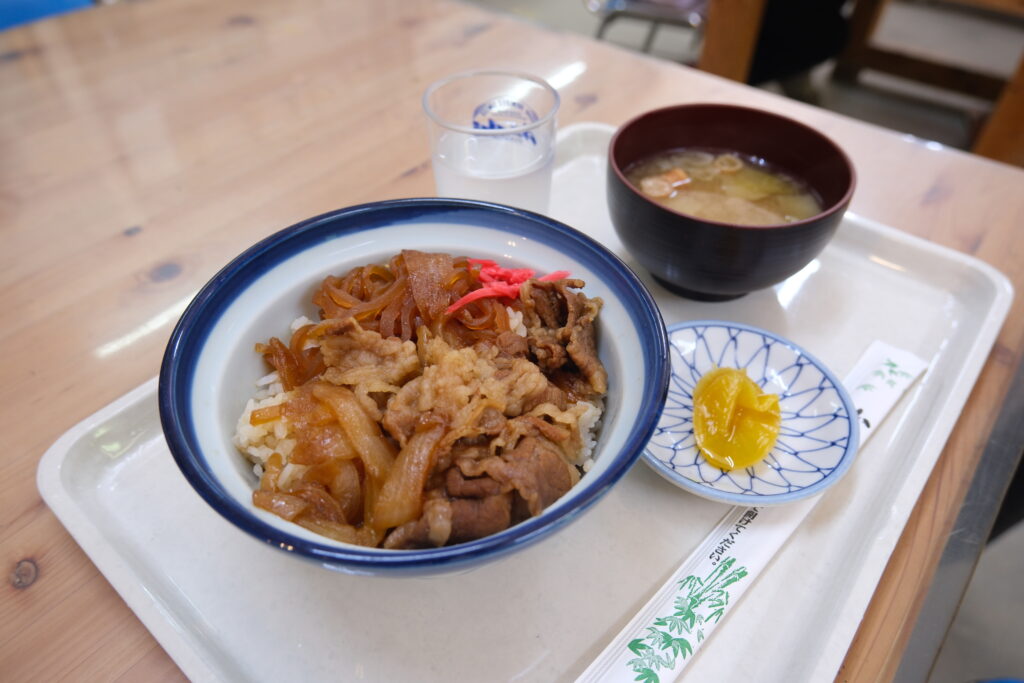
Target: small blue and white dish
<point>818,436</point>
<point>210,369</point>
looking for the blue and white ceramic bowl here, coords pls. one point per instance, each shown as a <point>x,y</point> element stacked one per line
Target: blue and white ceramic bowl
<point>210,368</point>
<point>818,436</point>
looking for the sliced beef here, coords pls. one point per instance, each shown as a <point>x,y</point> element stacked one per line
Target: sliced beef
<point>432,529</point>
<point>490,421</point>
<point>551,305</point>
<point>482,496</point>
<point>512,345</point>
<point>553,394</point>
<point>534,469</point>
<point>458,385</point>
<point>459,486</point>
<point>547,349</point>
<point>547,303</point>
<point>582,348</point>
<point>560,329</point>
<point>458,520</point>
<point>573,384</point>
<point>475,518</point>
<point>354,355</point>
<point>371,365</point>
<point>549,431</point>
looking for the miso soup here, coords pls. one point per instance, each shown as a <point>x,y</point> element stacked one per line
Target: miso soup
<point>724,186</point>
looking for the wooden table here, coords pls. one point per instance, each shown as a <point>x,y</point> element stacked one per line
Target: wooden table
<point>143,145</point>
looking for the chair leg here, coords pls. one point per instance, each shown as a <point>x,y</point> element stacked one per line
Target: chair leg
<point>605,23</point>
<point>863,22</point>
<point>1002,137</point>
<point>649,41</point>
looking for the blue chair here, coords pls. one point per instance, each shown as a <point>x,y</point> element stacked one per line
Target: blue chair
<point>17,12</point>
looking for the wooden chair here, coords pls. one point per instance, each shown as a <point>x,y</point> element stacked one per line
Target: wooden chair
<point>1002,136</point>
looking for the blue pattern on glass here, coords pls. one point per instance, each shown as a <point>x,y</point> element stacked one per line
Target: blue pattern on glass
<point>502,113</point>
<point>818,436</point>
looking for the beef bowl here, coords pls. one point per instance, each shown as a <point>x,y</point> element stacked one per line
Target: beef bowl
<point>413,386</point>
<point>718,200</point>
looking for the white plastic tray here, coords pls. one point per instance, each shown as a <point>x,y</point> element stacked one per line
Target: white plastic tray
<point>228,608</point>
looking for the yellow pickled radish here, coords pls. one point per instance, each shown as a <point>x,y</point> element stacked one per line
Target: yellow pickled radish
<point>735,423</point>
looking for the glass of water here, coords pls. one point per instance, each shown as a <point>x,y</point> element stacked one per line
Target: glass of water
<point>492,136</point>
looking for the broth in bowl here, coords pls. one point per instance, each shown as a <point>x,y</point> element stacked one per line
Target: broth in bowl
<point>724,186</point>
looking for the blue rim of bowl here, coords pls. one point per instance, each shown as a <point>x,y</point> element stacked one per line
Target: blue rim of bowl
<point>853,443</point>
<point>177,371</point>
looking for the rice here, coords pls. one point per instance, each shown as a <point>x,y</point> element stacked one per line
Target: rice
<point>515,321</point>
<point>589,425</point>
<point>259,442</point>
<point>268,385</point>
